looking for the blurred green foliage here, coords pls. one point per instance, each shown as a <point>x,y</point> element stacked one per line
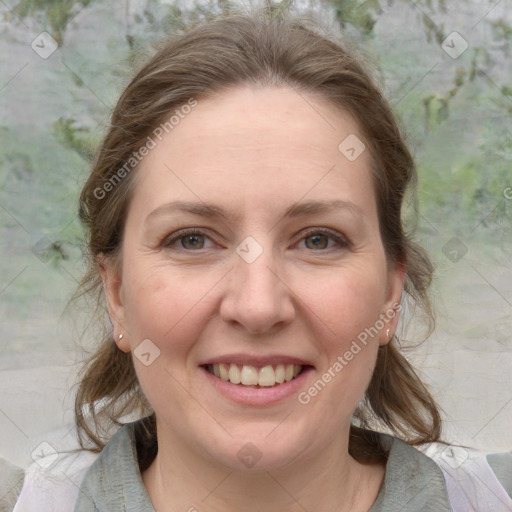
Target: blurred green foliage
<point>76,138</point>
<point>55,14</point>
<point>459,127</point>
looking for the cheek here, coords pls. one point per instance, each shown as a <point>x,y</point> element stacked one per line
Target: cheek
<point>162,304</point>
<point>169,310</point>
<point>347,307</point>
<point>346,302</point>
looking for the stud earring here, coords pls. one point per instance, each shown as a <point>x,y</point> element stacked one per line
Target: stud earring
<point>120,337</point>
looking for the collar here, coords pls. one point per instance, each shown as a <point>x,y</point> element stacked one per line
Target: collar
<point>413,481</point>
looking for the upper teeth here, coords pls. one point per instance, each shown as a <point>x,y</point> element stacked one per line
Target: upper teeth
<point>251,376</point>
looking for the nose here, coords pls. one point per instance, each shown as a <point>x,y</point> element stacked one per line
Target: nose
<point>257,297</point>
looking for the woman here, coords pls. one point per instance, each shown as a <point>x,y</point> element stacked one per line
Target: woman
<point>244,221</point>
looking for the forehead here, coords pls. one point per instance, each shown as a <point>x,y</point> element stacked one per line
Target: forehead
<point>261,147</point>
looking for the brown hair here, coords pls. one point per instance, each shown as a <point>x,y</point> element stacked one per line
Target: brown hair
<point>267,51</point>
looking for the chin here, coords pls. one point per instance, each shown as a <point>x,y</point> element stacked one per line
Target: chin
<point>260,449</point>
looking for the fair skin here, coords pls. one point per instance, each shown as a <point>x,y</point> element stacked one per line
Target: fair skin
<point>254,152</point>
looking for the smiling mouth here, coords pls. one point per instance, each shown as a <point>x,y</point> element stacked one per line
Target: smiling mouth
<point>252,376</point>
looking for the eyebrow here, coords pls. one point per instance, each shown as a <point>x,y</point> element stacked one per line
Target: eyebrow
<point>295,210</point>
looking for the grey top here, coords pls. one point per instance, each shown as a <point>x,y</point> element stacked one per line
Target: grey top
<point>501,464</point>
<point>413,481</point>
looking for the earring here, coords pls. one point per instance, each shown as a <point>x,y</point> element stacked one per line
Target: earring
<point>120,337</point>
<point>387,334</point>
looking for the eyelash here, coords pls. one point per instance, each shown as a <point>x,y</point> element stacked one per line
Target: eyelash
<point>340,240</point>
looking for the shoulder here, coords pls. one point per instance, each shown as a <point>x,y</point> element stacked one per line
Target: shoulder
<point>441,477</point>
<point>82,481</point>
<point>114,480</point>
<point>474,480</point>
<point>51,483</point>
<point>501,464</point>
<point>413,481</point>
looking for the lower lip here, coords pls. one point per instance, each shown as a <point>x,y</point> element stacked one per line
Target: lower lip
<point>246,395</point>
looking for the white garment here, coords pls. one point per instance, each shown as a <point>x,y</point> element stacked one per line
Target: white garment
<point>471,483</point>
<point>52,482</point>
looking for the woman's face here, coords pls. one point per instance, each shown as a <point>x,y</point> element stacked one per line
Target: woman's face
<point>252,250</point>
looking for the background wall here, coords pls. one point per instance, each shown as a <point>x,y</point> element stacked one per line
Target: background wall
<point>446,68</point>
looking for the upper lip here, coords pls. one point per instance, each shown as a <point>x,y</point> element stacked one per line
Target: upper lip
<point>258,361</point>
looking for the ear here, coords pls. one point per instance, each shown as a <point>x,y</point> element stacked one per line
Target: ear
<point>112,286</point>
<point>392,305</point>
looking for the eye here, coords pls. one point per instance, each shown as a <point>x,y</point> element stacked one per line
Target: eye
<point>321,239</point>
<point>187,239</point>
<point>195,240</point>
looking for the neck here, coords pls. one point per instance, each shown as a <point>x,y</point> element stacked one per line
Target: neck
<point>179,479</point>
